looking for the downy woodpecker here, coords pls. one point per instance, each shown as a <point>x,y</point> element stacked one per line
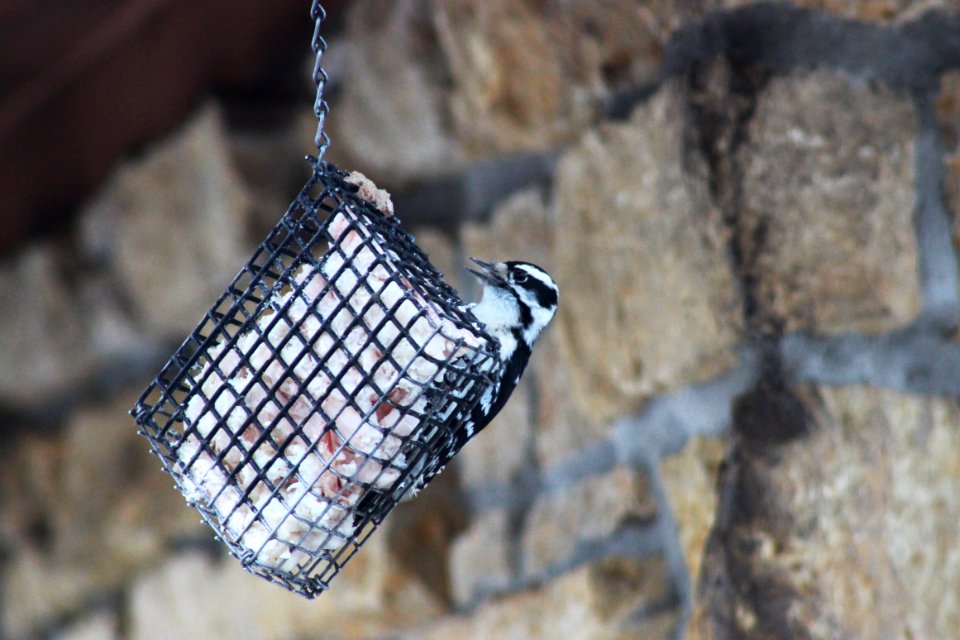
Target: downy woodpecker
<point>519,300</point>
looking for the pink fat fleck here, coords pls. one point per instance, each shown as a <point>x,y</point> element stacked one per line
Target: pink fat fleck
<point>395,399</point>
<point>328,482</point>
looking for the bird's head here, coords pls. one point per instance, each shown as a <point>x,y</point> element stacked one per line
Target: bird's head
<point>518,297</point>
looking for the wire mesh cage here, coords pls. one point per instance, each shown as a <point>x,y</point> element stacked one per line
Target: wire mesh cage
<point>334,369</point>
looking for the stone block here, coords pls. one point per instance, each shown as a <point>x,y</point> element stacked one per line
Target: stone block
<point>845,529</point>
<point>430,85</point>
<point>194,596</point>
<point>948,114</point>
<point>587,512</point>
<point>531,75</point>
<point>826,219</point>
<point>112,494</point>
<point>269,160</point>
<point>616,599</point>
<point>171,227</point>
<point>100,625</point>
<point>650,301</point>
<point>62,326</point>
<point>441,248</point>
<point>419,535</point>
<point>83,511</point>
<point>520,228</point>
<point>562,428</point>
<point>480,558</point>
<point>878,11</point>
<point>38,592</point>
<point>392,121</point>
<point>47,346</point>
<point>689,480</point>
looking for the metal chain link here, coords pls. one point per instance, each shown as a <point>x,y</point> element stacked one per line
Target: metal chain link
<point>320,107</point>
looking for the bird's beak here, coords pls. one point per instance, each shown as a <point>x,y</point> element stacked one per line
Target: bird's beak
<point>491,272</point>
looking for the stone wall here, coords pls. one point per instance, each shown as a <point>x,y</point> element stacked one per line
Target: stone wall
<point>742,424</point>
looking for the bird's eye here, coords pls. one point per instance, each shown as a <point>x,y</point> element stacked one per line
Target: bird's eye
<point>520,277</point>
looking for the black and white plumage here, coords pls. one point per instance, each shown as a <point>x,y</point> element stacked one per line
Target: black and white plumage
<point>518,302</point>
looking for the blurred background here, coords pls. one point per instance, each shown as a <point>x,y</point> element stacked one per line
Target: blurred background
<point>742,424</point>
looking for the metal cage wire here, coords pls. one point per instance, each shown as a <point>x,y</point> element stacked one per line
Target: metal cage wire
<point>319,47</point>
<point>329,374</point>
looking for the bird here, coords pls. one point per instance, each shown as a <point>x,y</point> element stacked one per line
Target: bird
<point>518,301</point>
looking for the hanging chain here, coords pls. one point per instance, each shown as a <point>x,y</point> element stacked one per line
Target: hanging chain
<point>320,107</point>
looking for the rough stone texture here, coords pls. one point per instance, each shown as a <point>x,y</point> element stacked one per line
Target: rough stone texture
<point>520,228</point>
<point>480,558</point>
<point>37,592</point>
<point>690,482</point>
<point>95,508</point>
<point>419,535</point>
<point>843,511</point>
<point>563,430</point>
<point>948,113</point>
<point>172,227</point>
<point>193,596</point>
<point>111,492</point>
<point>650,300</point>
<point>530,75</point>
<point>62,323</point>
<point>270,162</point>
<point>393,120</point>
<point>596,602</point>
<point>589,511</point>
<point>953,189</point>
<point>442,251</point>
<point>826,222</point>
<point>882,11</point>
<point>838,510</point>
<point>101,625</point>
<point>46,336</point>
